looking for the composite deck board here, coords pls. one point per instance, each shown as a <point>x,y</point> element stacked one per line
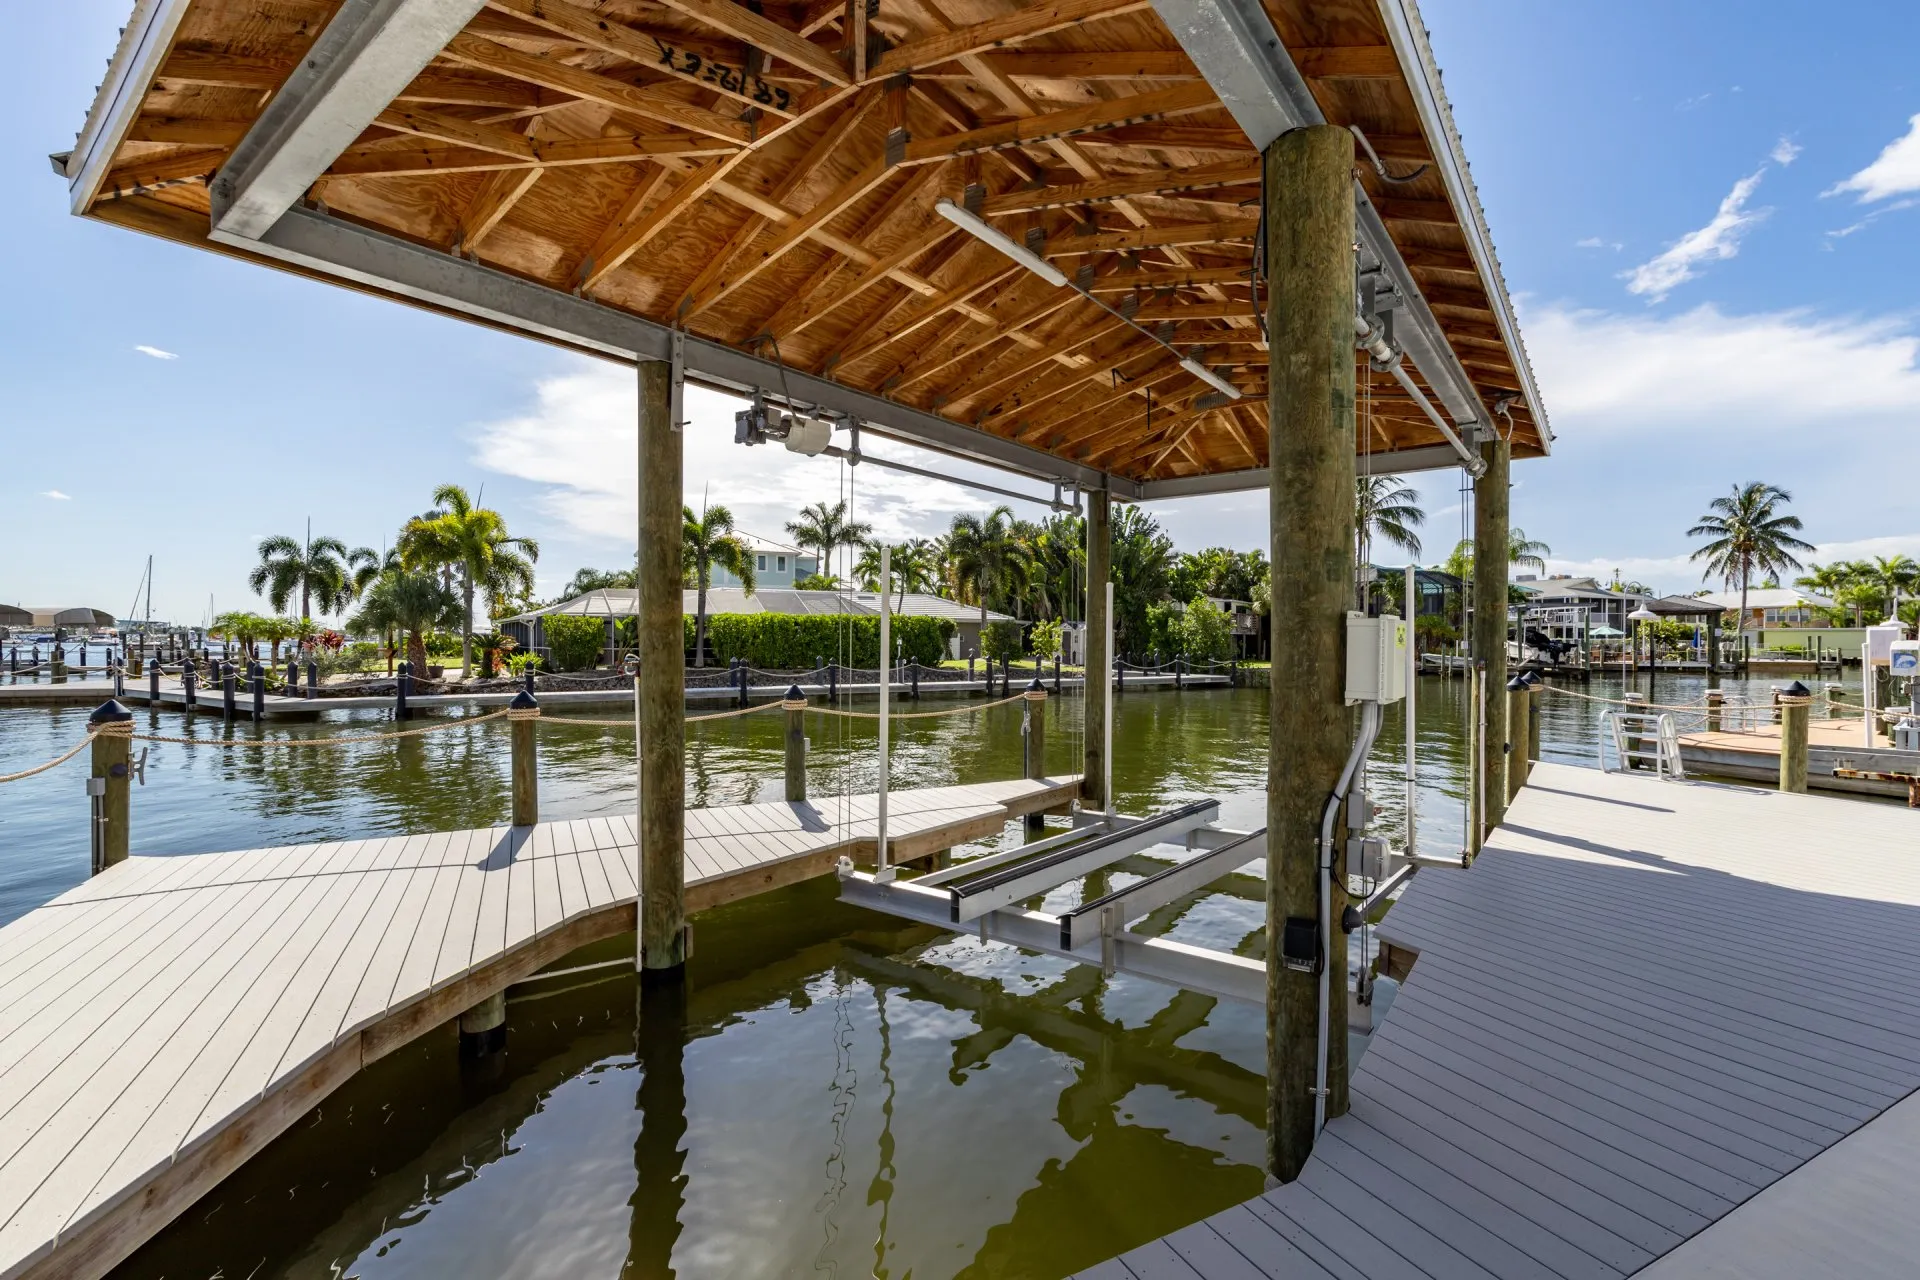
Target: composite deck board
<point>1658,1027</point>
<point>172,1000</point>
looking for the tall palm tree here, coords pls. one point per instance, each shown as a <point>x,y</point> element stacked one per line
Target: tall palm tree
<point>1748,531</point>
<point>239,627</point>
<point>314,569</point>
<point>1831,581</point>
<point>472,542</point>
<point>826,529</point>
<point>1142,571</point>
<point>704,542</point>
<point>987,559</point>
<point>1383,507</point>
<point>365,565</point>
<point>1526,553</point>
<point>914,563</point>
<point>1894,574</point>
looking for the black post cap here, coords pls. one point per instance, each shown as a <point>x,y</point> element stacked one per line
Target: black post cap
<point>1796,690</point>
<point>1517,685</point>
<point>1034,686</point>
<point>794,694</point>
<point>523,701</point>
<point>1531,677</point>
<point>109,712</point>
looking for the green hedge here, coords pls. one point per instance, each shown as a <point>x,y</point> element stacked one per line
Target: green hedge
<point>792,642</point>
<point>575,642</point>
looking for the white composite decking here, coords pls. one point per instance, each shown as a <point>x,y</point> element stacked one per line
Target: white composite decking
<point>162,1022</point>
<point>1658,1026</point>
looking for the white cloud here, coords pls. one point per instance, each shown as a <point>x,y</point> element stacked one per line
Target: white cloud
<point>1717,241</point>
<point>578,441</point>
<point>1895,172</point>
<point>1841,233</point>
<point>1595,242</point>
<point>1785,152</point>
<point>155,352</point>
<point>1704,372</point>
<point>56,495</point>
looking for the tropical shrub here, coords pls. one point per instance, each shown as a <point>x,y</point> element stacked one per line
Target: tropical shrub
<point>1001,640</point>
<point>518,664</point>
<point>792,642</point>
<point>1045,638</point>
<point>575,642</point>
<point>1204,633</point>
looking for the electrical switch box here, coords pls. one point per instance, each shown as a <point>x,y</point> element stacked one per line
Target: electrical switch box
<point>1376,658</point>
<point>1903,659</point>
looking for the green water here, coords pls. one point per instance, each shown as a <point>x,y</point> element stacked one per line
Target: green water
<point>835,1095</point>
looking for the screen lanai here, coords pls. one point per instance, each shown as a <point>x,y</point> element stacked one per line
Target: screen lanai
<point>765,180</point>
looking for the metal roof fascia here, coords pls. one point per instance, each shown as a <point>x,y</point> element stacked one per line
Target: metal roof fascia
<point>143,47</point>
<point>1436,457</point>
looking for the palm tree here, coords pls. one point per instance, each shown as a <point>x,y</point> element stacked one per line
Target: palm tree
<point>315,569</point>
<point>1526,553</point>
<point>1894,574</point>
<point>410,602</point>
<point>1385,507</point>
<point>1142,569</point>
<point>987,560</point>
<point>1831,581</point>
<point>914,563</point>
<point>365,565</point>
<point>240,627</point>
<point>473,542</point>
<point>1748,532</point>
<point>826,529</point>
<point>704,542</point>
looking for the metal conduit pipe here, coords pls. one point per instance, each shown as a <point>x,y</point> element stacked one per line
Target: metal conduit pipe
<point>1362,745</point>
<point>1369,338</point>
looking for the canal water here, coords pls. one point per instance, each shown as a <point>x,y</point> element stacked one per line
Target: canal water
<point>837,1094</point>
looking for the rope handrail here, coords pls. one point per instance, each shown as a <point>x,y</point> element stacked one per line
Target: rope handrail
<point>338,740</point>
<point>57,761</point>
<point>918,715</point>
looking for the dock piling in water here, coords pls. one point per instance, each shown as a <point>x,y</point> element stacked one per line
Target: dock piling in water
<point>1036,745</point>
<point>403,684</point>
<point>523,715</point>
<point>1515,752</point>
<point>796,753</point>
<point>112,727</point>
<point>226,691</point>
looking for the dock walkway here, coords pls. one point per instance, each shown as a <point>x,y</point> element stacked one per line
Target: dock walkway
<point>1658,1026</point>
<point>164,1021</point>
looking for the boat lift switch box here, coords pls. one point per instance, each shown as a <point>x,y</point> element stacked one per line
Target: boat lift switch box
<point>1376,658</point>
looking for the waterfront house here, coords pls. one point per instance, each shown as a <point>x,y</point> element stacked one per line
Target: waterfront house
<point>773,566</point>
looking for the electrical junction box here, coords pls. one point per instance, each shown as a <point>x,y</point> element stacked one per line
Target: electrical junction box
<point>1376,658</point>
<point>1881,638</point>
<point>1903,658</point>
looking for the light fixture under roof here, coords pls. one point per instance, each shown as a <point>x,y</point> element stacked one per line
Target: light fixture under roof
<point>980,229</point>
<point>1209,377</point>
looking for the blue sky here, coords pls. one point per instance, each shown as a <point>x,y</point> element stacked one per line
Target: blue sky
<point>1703,212</point>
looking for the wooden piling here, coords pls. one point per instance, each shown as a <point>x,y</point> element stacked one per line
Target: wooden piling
<point>523,719</point>
<point>1490,569</point>
<point>1311,366</point>
<point>1533,724</point>
<point>796,755</point>
<point>662,692</point>
<point>1715,701</point>
<point>259,682</point>
<point>112,728</point>
<point>402,686</point>
<point>483,1028</point>
<point>228,687</point>
<point>1036,745</point>
<point>1097,688</point>
<point>1795,711</point>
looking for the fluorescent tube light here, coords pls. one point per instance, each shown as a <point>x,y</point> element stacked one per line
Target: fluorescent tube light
<point>982,230</point>
<point>1209,377</point>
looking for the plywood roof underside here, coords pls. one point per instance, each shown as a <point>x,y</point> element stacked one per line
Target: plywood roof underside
<point>651,157</point>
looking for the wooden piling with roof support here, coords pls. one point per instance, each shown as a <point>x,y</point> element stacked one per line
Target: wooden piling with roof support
<point>1098,684</point>
<point>1490,568</point>
<point>1310,312</point>
<point>662,695</point>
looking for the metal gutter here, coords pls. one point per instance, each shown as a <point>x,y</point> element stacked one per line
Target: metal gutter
<point>1433,457</point>
<point>1407,32</point>
<point>144,44</point>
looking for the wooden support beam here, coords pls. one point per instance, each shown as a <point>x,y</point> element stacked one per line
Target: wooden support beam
<point>1490,570</point>
<point>769,37</point>
<point>458,132</point>
<point>183,131</point>
<point>373,161</point>
<point>1164,182</point>
<point>1141,64</point>
<point>931,362</point>
<point>1178,137</point>
<point>627,242</point>
<point>1311,417</point>
<point>1190,233</point>
<point>994,380</point>
<point>996,33</point>
<point>656,55</point>
<point>606,245</point>
<point>1098,703</point>
<point>1159,104</point>
<point>807,310</point>
<point>142,174</point>
<point>591,86</point>
<point>1149,281</point>
<point>662,680</point>
<point>495,201</point>
<point>1043,412</point>
<point>1347,62</point>
<point>1430,213</point>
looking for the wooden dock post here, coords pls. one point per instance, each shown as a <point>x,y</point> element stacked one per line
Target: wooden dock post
<point>523,716</point>
<point>1035,725</point>
<point>1715,701</point>
<point>1796,708</point>
<point>228,687</point>
<point>1534,685</point>
<point>59,663</point>
<point>1490,570</point>
<point>402,685</point>
<point>1311,368</point>
<point>258,680</point>
<point>1096,685</point>
<point>153,681</point>
<point>1516,746</point>
<point>796,707</point>
<point>833,684</point>
<point>662,692</point>
<point>112,728</point>
<point>189,682</point>
<point>913,680</point>
<point>313,678</point>
<point>483,1028</point>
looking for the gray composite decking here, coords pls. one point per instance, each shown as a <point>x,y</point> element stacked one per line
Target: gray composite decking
<point>1637,1036</point>
<point>166,1019</point>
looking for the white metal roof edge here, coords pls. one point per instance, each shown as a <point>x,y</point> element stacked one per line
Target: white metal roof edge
<point>1408,33</point>
<point>144,44</point>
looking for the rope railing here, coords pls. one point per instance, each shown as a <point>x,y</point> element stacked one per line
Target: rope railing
<point>345,739</point>
<point>54,763</point>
